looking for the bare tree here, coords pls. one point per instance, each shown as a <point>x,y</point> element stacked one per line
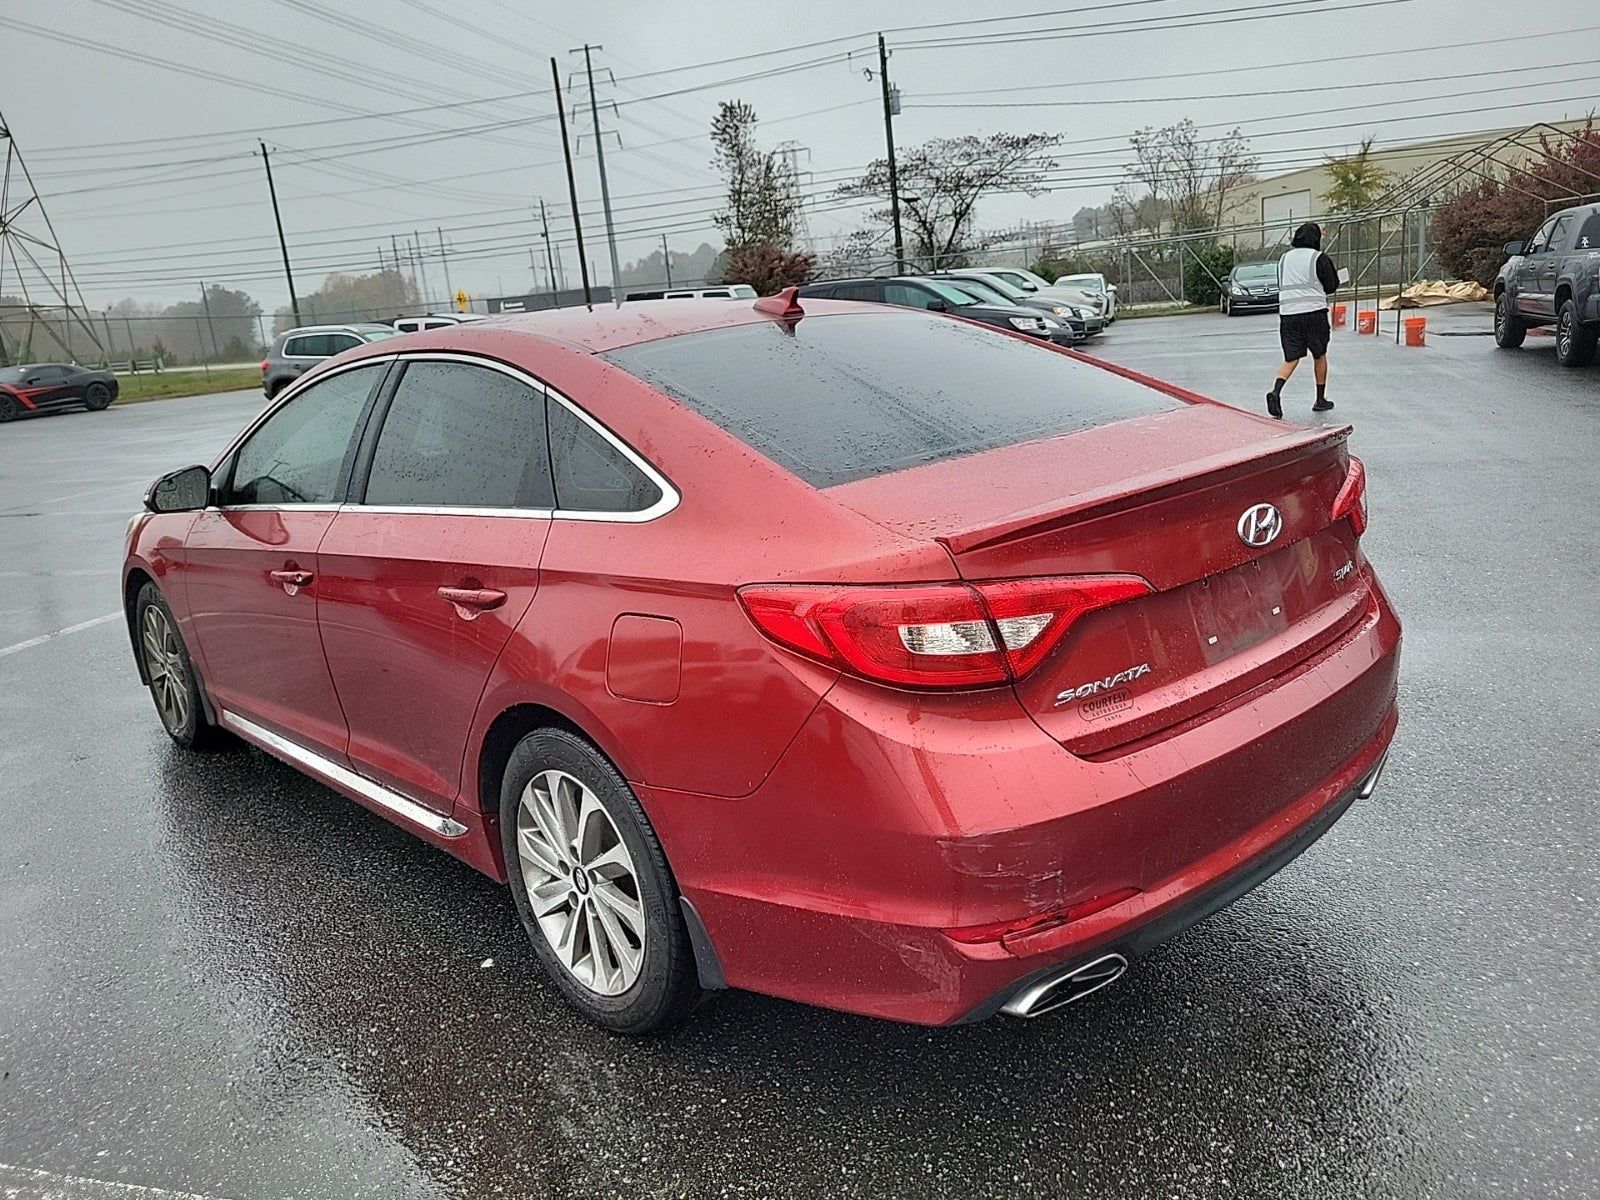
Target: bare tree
<point>1190,176</point>
<point>763,199</point>
<point>942,181</point>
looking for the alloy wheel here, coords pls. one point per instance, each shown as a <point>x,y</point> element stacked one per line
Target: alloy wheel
<point>169,676</point>
<point>1564,333</point>
<point>581,882</point>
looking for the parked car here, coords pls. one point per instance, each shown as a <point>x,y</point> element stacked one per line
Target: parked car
<point>51,387</point>
<point>1028,282</point>
<point>848,654</point>
<point>1250,286</point>
<point>732,291</point>
<point>1094,283</point>
<point>914,291</point>
<point>296,351</point>
<point>433,321</point>
<point>1084,321</point>
<point>1553,279</point>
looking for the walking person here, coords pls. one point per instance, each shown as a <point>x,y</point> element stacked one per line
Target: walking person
<point>1306,278</point>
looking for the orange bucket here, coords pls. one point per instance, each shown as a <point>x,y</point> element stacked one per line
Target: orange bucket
<point>1339,311</point>
<point>1416,331</point>
<point>1367,321</point>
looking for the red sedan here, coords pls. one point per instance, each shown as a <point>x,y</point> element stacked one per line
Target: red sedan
<point>861,656</point>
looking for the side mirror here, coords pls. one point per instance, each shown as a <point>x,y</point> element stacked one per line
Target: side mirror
<point>185,490</point>
<point>1513,248</point>
<point>937,305</point>
<point>1111,287</point>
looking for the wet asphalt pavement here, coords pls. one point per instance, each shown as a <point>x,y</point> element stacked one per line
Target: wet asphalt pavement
<point>220,979</point>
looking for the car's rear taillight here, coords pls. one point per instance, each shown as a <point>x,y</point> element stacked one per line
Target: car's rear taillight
<point>264,363</point>
<point>1352,498</point>
<point>939,635</point>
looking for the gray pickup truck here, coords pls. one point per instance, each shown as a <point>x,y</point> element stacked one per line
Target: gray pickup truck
<point>1554,279</point>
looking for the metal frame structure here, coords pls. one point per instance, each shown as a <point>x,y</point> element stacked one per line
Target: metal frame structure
<point>28,245</point>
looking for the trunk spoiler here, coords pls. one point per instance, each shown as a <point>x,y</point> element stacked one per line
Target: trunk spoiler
<point>1134,490</point>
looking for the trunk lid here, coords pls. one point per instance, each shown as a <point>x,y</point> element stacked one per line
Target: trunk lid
<point>1161,497</point>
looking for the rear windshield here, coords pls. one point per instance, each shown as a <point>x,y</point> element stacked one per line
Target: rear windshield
<point>842,398</point>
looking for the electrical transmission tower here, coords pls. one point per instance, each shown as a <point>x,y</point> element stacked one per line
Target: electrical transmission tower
<point>38,316</point>
<point>795,198</point>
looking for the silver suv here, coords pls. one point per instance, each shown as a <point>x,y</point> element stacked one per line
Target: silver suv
<point>296,351</point>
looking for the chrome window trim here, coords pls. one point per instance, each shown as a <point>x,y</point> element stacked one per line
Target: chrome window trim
<point>444,510</point>
<point>290,391</point>
<point>670,496</point>
<point>328,771</point>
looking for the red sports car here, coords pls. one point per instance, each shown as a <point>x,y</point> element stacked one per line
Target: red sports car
<point>858,655</point>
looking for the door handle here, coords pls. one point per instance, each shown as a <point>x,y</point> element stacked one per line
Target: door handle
<point>292,580</point>
<point>471,602</point>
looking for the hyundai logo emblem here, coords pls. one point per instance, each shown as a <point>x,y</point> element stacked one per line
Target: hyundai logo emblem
<point>1258,526</point>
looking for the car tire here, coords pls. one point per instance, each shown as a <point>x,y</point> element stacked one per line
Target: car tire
<point>8,408</point>
<point>97,397</point>
<point>173,684</point>
<point>592,887</point>
<point>1509,329</point>
<point>1575,341</point>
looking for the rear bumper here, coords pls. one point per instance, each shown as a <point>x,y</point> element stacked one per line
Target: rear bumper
<point>1197,906</point>
<point>883,826</point>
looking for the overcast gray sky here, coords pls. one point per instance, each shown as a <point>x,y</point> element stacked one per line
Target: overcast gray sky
<point>147,165</point>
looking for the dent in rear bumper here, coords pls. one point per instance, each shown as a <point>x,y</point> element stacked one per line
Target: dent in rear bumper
<point>832,883</point>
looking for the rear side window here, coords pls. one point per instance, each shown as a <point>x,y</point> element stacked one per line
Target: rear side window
<point>459,436</point>
<point>310,345</point>
<point>1589,235</point>
<point>865,290</point>
<point>591,474</point>
<point>842,398</point>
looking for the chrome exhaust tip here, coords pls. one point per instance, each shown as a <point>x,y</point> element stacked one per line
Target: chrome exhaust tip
<point>1369,784</point>
<point>1058,991</point>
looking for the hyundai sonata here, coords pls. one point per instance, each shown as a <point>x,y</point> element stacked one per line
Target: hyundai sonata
<point>851,654</point>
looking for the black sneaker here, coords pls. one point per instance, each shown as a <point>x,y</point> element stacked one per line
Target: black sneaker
<point>1322,405</point>
<point>1274,406</point>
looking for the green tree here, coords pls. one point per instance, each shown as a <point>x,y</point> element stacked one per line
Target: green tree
<point>1357,181</point>
<point>763,202</point>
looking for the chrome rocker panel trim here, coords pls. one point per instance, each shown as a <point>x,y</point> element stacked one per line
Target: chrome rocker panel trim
<point>327,771</point>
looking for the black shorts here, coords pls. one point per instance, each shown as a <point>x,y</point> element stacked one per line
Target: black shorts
<point>1300,332</point>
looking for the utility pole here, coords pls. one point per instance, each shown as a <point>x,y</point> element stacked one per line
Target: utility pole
<point>416,245</point>
<point>449,291</point>
<point>205,302</point>
<point>894,174</point>
<point>572,184</point>
<point>549,261</point>
<point>288,274</point>
<point>600,160</point>
<point>666,259</point>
